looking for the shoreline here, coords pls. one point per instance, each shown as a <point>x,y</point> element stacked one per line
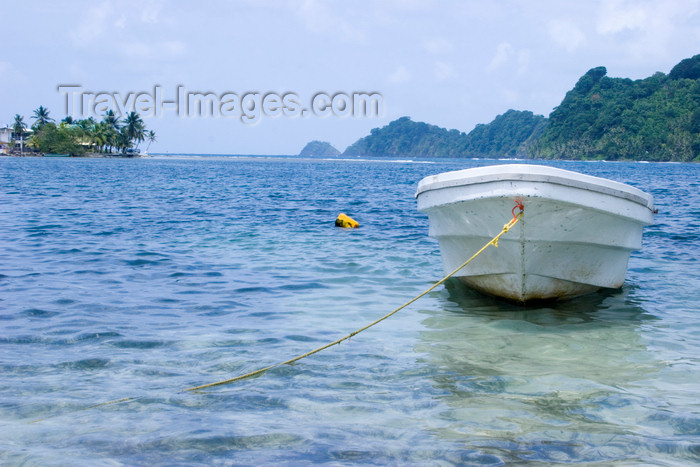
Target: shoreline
<point>97,155</point>
<point>90,155</point>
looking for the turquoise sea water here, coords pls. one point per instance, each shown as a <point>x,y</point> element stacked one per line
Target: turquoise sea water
<point>140,278</point>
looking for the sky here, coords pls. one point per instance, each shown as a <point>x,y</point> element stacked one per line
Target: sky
<point>261,63</point>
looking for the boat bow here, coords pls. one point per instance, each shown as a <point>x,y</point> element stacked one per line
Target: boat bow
<point>576,235</point>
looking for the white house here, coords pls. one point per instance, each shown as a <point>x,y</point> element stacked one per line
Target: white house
<point>5,139</point>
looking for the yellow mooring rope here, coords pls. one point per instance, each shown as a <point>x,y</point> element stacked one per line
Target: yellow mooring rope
<point>493,241</point>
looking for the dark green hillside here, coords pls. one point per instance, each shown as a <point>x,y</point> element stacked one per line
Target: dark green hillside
<point>508,135</point>
<point>688,68</point>
<point>406,138</point>
<point>656,118</point>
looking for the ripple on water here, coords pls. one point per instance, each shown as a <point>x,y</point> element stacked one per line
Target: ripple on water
<point>145,277</point>
<point>37,313</point>
<point>85,364</point>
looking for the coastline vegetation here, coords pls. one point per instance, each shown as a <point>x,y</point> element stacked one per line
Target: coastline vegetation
<point>110,136</point>
<point>508,135</point>
<point>652,119</point>
<point>601,118</point>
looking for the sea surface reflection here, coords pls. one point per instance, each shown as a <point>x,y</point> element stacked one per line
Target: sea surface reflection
<point>542,383</point>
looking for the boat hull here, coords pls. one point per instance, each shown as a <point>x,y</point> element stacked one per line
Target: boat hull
<point>574,238</point>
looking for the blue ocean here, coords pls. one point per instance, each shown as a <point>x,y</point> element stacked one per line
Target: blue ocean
<point>123,282</point>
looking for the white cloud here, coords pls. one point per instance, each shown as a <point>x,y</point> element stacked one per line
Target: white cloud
<point>5,68</point>
<point>508,58</point>
<point>650,26</point>
<point>151,12</point>
<point>524,57</point>
<point>93,24</point>
<point>9,74</point>
<point>443,71</point>
<point>121,21</point>
<point>320,19</point>
<point>617,15</point>
<point>438,45</point>
<point>113,28</point>
<point>566,34</point>
<point>509,96</point>
<point>504,53</point>
<point>152,50</point>
<point>400,75</point>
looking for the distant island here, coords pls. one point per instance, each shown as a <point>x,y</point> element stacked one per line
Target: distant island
<point>319,148</point>
<point>86,137</point>
<point>509,135</point>
<point>601,118</point>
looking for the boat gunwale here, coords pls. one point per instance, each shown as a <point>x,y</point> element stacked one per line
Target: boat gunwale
<point>555,177</point>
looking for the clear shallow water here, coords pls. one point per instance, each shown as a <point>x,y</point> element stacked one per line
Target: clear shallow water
<point>139,278</point>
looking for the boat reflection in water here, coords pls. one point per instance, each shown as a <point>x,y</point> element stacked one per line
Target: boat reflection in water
<point>540,384</point>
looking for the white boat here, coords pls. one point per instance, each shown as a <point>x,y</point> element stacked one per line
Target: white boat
<point>575,236</point>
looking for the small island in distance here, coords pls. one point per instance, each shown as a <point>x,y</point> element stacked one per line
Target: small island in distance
<point>601,118</point>
<point>110,137</point>
<point>319,148</point>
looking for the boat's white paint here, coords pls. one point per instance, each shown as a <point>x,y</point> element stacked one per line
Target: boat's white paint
<point>575,237</point>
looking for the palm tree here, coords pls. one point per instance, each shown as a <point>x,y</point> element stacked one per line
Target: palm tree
<point>134,129</point>
<point>84,129</point>
<point>86,124</point>
<point>112,137</point>
<point>100,135</point>
<point>41,115</point>
<point>151,135</point>
<point>112,122</point>
<point>111,119</point>
<point>19,129</point>
<point>122,141</point>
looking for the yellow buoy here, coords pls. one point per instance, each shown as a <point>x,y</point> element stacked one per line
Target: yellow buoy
<point>346,222</point>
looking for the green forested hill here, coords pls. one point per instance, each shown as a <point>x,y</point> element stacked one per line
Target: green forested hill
<point>404,137</point>
<point>507,136</point>
<point>655,119</point>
